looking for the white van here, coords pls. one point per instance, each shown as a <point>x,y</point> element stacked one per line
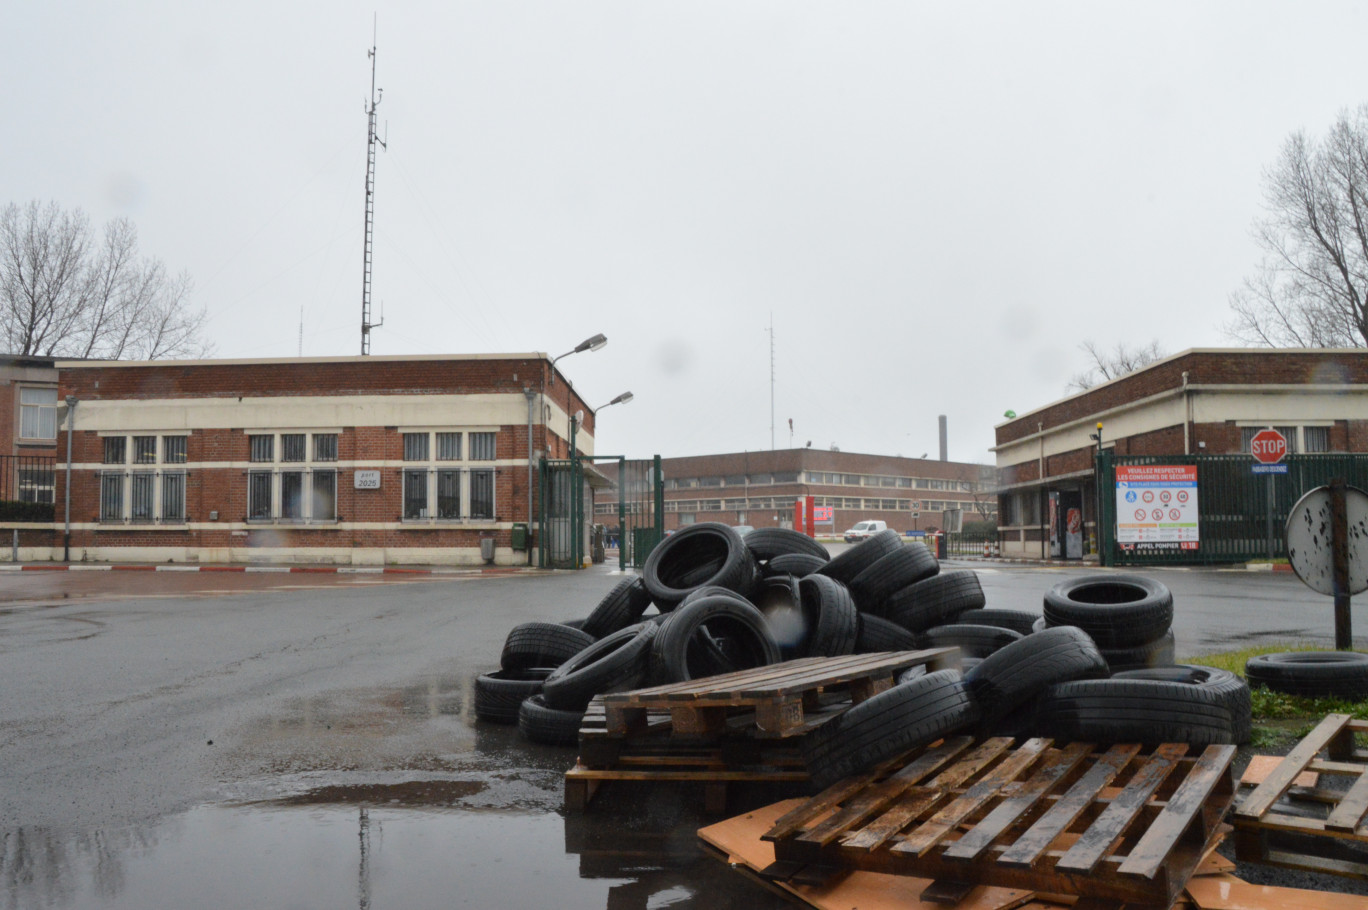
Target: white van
<point>864,530</point>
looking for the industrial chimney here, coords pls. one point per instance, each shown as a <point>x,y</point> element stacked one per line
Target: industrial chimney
<point>944,440</point>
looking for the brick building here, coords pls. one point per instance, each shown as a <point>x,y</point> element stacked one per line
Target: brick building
<point>332,460</point>
<point>759,489</point>
<point>28,427</point>
<point>1202,401</point>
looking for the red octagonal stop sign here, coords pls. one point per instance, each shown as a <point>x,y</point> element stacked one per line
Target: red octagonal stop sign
<point>1268,446</point>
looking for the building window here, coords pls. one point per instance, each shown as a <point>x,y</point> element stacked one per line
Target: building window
<point>1317,439</point>
<point>114,450</point>
<point>36,484</point>
<point>147,496</point>
<point>450,487</point>
<point>325,446</point>
<point>173,449</point>
<point>687,518</point>
<point>144,450</point>
<point>292,447</point>
<point>415,446</point>
<point>263,448</point>
<point>305,491</point>
<point>38,413</point>
<point>449,446</point>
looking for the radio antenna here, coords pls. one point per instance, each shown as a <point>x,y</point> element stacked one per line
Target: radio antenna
<point>372,140</point>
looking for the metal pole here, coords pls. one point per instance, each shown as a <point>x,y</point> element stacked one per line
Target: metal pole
<point>531,400</point>
<point>1339,555</point>
<point>622,514</point>
<point>71,426</point>
<point>1268,519</point>
<point>574,496</point>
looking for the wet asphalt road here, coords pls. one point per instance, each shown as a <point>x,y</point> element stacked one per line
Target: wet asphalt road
<point>203,740</point>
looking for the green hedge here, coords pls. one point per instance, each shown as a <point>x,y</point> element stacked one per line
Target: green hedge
<point>13,510</point>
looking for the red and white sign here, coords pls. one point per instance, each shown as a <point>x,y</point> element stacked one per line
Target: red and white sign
<point>1171,520</point>
<point>1268,446</point>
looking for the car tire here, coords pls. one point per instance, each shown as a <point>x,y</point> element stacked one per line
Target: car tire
<point>935,601</point>
<point>542,644</point>
<point>1312,674</point>
<point>708,553</point>
<point>861,556</point>
<point>973,641</point>
<point>876,634</point>
<point>710,636</point>
<point>799,564</point>
<point>1159,653</point>
<point>541,723</point>
<point>1118,611</point>
<point>612,664</point>
<point>831,618</point>
<point>911,714</point>
<point>1016,674</point>
<point>499,695</point>
<point>770,543</point>
<point>620,608</point>
<point>1135,711</point>
<point>907,565</point>
<point>1232,691</point>
<point>1016,620</point>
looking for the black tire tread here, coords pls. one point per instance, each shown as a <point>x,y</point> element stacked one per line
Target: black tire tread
<point>542,644</point>
<point>935,601</point>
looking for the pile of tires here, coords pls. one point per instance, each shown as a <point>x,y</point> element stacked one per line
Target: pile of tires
<point>1130,617</point>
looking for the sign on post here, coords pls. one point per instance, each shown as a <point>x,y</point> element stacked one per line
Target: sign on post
<point>1268,446</point>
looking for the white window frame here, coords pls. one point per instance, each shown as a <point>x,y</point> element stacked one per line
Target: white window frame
<point>117,480</point>
<point>432,467</point>
<point>42,412</point>
<point>311,470</point>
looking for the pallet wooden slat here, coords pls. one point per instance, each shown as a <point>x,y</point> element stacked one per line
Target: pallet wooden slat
<point>1348,815</point>
<point>1268,792</point>
<point>1182,813</point>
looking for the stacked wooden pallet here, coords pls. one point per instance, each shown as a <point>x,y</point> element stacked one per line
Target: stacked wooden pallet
<point>1120,826</point>
<point>740,727</point>
<point>1284,822</point>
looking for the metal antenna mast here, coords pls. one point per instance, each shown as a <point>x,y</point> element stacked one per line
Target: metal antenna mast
<point>372,141</point>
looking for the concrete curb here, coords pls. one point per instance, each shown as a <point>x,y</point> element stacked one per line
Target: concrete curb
<point>314,570</point>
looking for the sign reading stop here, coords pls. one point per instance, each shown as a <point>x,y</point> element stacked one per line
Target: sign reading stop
<point>1268,446</point>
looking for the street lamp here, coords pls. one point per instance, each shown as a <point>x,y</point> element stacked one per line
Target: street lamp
<point>621,399</point>
<point>593,343</point>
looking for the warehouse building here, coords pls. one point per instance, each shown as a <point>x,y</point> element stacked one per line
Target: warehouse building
<point>1200,402</point>
<point>331,460</point>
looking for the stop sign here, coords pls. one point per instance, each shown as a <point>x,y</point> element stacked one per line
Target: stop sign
<point>1268,446</point>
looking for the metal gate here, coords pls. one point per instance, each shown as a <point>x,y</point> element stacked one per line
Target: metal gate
<point>566,504</point>
<point>1233,504</point>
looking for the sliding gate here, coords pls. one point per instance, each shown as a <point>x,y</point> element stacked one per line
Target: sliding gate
<point>633,505</point>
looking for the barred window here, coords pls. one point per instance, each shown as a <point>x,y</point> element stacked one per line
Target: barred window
<point>111,497</point>
<point>142,487</point>
<point>259,495</point>
<point>415,446</point>
<point>325,446</point>
<point>415,494</point>
<point>481,446</point>
<point>449,446</point>
<point>144,450</point>
<point>292,447</point>
<point>448,494</point>
<point>292,495</point>
<point>482,494</point>
<point>263,448</point>
<point>115,450</point>
<point>173,495</point>
<point>173,449</point>
<point>324,506</point>
<point>1317,439</point>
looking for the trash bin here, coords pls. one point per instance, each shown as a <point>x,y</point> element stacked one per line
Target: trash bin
<point>519,541</point>
<point>487,549</point>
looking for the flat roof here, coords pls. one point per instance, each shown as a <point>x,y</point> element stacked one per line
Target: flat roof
<point>253,361</point>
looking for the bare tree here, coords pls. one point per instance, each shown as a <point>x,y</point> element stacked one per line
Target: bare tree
<point>1109,365</point>
<point>1309,290</point>
<point>65,294</point>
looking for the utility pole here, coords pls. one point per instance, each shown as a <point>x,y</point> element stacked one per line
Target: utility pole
<point>771,335</point>
<point>372,141</point>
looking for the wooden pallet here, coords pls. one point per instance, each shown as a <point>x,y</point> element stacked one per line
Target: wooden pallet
<point>1266,833</point>
<point>781,700</point>
<point>1114,827</point>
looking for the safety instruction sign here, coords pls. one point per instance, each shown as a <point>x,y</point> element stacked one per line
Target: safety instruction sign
<point>1156,503</point>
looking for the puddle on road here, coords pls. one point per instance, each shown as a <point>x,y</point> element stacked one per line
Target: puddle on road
<point>339,855</point>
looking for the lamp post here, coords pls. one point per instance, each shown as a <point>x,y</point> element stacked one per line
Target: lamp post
<point>1097,484</point>
<point>621,399</point>
<point>593,343</point>
<point>71,402</point>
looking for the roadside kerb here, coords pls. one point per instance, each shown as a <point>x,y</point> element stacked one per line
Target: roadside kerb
<point>298,570</point>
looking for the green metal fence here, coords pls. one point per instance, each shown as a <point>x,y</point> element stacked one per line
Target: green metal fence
<point>1233,505</point>
<point>564,506</point>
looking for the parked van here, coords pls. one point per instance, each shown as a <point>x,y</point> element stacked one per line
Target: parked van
<point>864,530</point>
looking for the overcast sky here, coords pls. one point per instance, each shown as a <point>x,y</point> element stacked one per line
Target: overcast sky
<point>935,203</point>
